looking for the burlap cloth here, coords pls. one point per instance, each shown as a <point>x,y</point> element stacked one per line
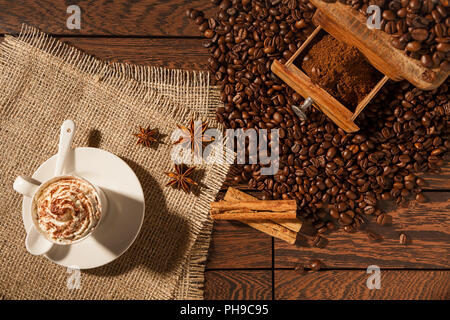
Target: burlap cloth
<point>42,83</point>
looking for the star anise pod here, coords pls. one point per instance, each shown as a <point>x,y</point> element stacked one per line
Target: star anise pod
<point>180,178</point>
<point>194,136</point>
<point>146,136</point>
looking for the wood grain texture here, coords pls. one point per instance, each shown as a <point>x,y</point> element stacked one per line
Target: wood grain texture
<point>427,226</point>
<point>238,285</point>
<point>104,17</point>
<point>236,245</point>
<point>350,285</point>
<point>170,53</point>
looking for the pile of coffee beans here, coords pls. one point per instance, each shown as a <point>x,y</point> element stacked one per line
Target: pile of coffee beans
<point>420,27</point>
<point>336,178</point>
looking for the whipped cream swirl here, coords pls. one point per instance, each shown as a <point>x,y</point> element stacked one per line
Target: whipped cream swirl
<point>67,209</point>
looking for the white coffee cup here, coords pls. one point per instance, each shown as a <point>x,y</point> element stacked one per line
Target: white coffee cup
<point>38,241</point>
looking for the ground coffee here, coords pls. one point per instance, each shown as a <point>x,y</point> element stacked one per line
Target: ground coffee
<point>340,69</point>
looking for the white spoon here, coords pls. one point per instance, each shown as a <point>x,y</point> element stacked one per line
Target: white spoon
<point>65,141</point>
<point>35,242</point>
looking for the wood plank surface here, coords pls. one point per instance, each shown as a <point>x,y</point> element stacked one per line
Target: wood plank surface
<point>169,53</point>
<point>104,17</point>
<point>236,245</point>
<point>427,226</point>
<point>238,285</point>
<point>351,284</point>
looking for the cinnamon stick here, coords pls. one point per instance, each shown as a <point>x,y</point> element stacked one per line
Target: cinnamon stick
<point>294,225</point>
<point>261,215</point>
<point>273,228</point>
<point>254,210</point>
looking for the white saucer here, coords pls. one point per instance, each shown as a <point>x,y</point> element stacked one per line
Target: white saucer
<point>123,219</point>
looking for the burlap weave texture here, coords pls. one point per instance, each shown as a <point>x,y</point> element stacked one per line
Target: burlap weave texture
<point>42,83</point>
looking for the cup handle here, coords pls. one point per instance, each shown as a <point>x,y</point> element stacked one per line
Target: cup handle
<point>25,186</point>
<point>36,243</point>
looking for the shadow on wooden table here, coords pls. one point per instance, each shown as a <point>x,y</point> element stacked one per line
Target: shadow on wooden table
<point>162,241</point>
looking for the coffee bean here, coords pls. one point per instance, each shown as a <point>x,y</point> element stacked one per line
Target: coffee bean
<point>426,61</point>
<point>445,66</point>
<point>386,196</point>
<point>369,210</point>
<point>334,213</point>
<point>420,182</point>
<point>421,198</point>
<point>345,219</point>
<point>320,242</point>
<point>443,47</point>
<point>331,153</point>
<point>419,34</point>
<point>315,265</point>
<point>403,239</point>
<point>330,225</point>
<point>350,229</point>
<point>209,33</point>
<point>278,117</point>
<point>384,219</point>
<point>388,15</point>
<point>413,46</point>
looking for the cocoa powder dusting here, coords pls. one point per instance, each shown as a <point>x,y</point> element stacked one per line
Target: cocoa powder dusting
<point>340,69</point>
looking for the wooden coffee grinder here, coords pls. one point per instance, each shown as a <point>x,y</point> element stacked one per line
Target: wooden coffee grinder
<point>347,25</point>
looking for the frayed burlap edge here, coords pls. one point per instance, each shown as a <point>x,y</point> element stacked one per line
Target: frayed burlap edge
<point>141,80</point>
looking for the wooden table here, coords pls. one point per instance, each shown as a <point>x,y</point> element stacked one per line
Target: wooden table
<point>244,263</point>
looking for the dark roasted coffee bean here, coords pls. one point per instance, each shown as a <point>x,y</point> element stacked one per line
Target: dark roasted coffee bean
<point>384,219</point>
<point>315,265</point>
<point>427,61</point>
<point>369,210</point>
<point>420,182</point>
<point>403,239</point>
<point>385,196</point>
<point>349,229</point>
<point>419,34</point>
<point>421,198</point>
<point>413,46</point>
<point>388,15</point>
<point>345,219</point>
<point>334,213</point>
<point>443,47</point>
<point>320,242</point>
